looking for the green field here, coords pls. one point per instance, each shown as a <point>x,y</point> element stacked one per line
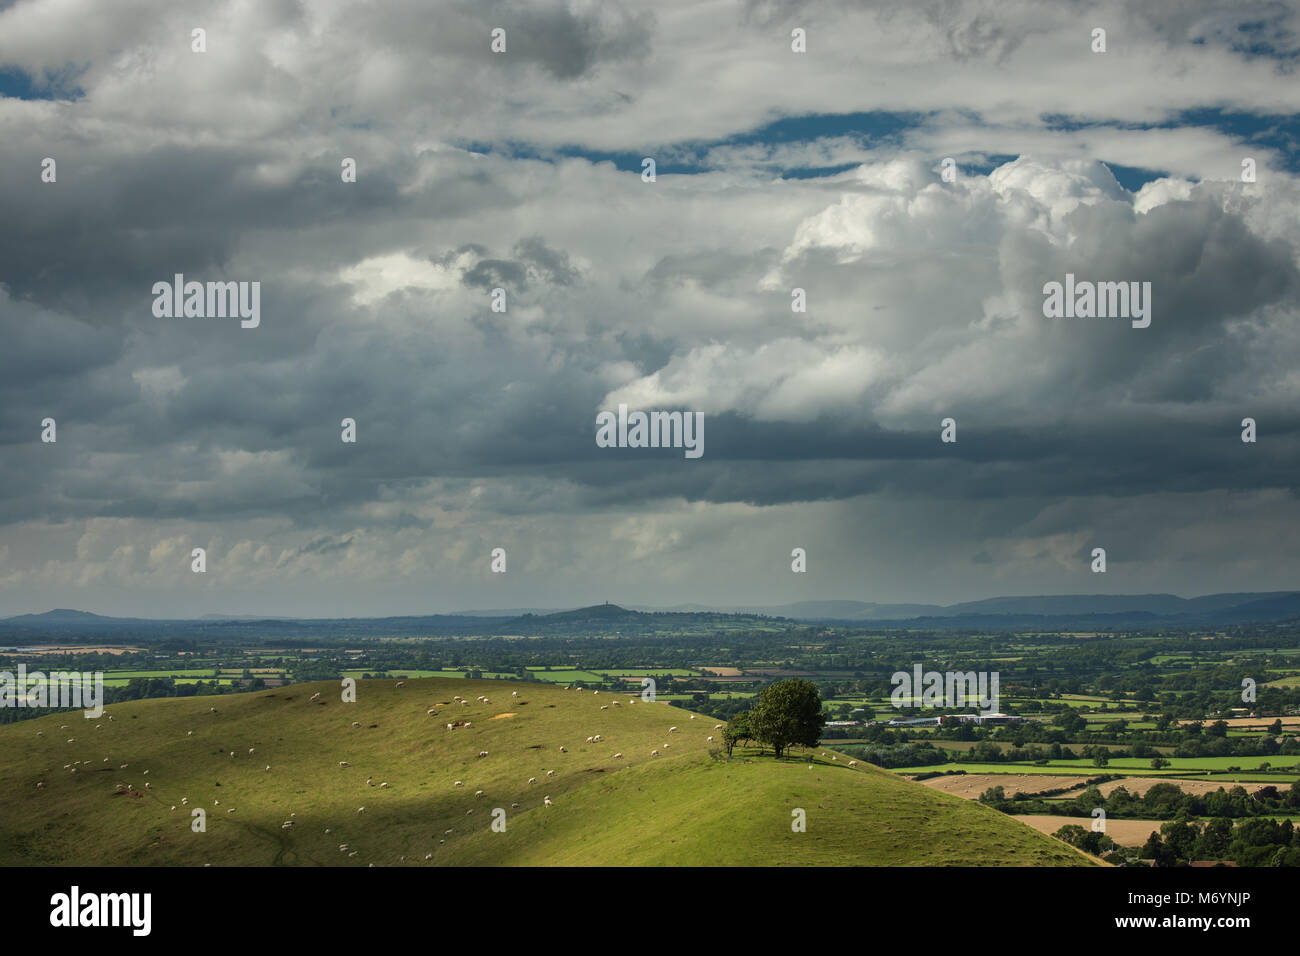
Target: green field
<point>685,807</point>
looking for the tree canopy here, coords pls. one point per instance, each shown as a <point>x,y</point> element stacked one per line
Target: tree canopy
<point>787,713</point>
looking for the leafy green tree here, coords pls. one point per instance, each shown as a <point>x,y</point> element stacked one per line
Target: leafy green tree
<point>788,713</point>
<point>737,729</point>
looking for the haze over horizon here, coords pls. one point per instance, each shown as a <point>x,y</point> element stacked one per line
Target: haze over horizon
<point>820,171</point>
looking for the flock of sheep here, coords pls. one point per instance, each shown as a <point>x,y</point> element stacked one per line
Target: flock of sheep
<point>288,824</point>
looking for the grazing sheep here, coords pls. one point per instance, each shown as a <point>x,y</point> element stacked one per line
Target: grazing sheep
<point>231,810</point>
<point>370,781</point>
<point>356,723</point>
<point>343,847</point>
<point>482,754</point>
<point>672,730</point>
<point>352,854</point>
<point>615,703</point>
<point>431,712</point>
<point>428,856</point>
<point>384,785</point>
<point>40,733</point>
<point>597,739</point>
<point>654,753</point>
<point>590,739</point>
<point>717,726</point>
<point>451,726</point>
<point>665,746</point>
<point>563,751</point>
<point>468,812</point>
<point>286,825</point>
<point>400,683</point>
<point>216,803</point>
<point>213,710</point>
<point>618,756</point>
<point>709,739</point>
<point>185,801</point>
<point>478,793</point>
<point>459,783</point>
<point>361,809</point>
<point>146,773</point>
<point>514,693</point>
<point>250,750</point>
<point>72,740</point>
<point>532,779</point>
<point>514,806</point>
<point>173,806</point>
<point>315,696</point>
<point>468,724</point>
<point>148,785</point>
<point>692,716</point>
<point>189,733</point>
<point>344,763</point>
<point>40,785</point>
<point>835,758</point>
<point>604,706</point>
<point>550,773</point>
<point>268,766</point>
<point>546,801</point>
<point>853,763</point>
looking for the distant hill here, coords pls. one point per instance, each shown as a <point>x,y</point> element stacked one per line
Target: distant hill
<point>613,802</point>
<point>1033,612</point>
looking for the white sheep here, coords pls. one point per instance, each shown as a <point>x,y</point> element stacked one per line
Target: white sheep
<point>618,756</point>
<point>853,763</point>
<point>459,783</point>
<point>562,750</point>
<point>709,739</point>
<point>344,763</point>
<point>672,730</point>
<point>482,754</point>
<point>478,793</point>
<point>550,773</point>
<point>532,779</point>
<point>654,753</point>
<point>546,801</point>
<point>361,809</point>
<point>400,683</point>
<point>384,785</point>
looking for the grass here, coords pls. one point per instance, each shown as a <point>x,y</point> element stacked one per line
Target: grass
<point>682,808</point>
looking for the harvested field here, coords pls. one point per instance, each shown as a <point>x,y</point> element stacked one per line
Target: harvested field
<point>971,785</point>
<point>1123,832</point>
<point>1140,785</point>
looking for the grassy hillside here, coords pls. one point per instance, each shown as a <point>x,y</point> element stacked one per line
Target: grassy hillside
<point>681,808</point>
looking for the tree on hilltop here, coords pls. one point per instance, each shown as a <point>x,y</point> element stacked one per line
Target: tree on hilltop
<point>788,712</point>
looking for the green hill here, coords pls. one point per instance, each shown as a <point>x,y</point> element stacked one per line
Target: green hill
<point>683,807</point>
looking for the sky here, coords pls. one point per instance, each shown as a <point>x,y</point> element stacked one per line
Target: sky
<point>521,170</point>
